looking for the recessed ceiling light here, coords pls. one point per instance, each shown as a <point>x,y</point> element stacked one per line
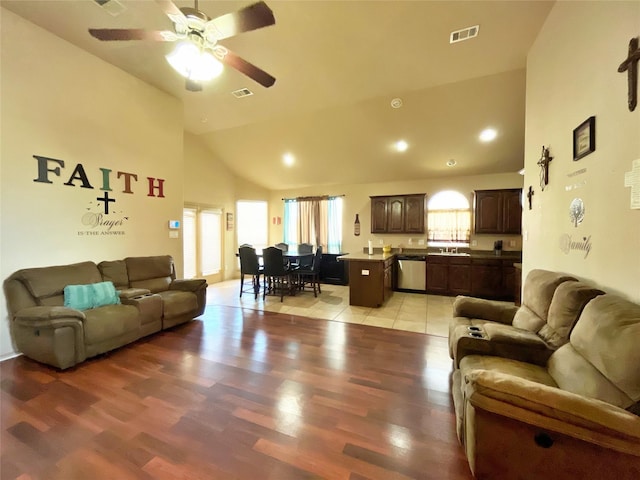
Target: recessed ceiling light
<point>401,146</point>
<point>451,163</point>
<point>288,159</point>
<point>488,134</point>
<point>396,103</point>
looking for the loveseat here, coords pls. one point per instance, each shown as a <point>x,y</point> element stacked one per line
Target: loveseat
<point>62,315</point>
<point>572,416</point>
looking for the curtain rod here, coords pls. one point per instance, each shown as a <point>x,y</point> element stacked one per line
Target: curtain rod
<point>321,197</point>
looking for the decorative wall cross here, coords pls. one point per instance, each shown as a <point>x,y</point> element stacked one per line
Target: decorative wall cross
<point>106,201</point>
<point>543,163</point>
<point>530,195</point>
<point>630,65</point>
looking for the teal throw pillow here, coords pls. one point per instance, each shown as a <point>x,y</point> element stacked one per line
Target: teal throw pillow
<point>104,293</point>
<point>79,297</point>
<point>84,297</point>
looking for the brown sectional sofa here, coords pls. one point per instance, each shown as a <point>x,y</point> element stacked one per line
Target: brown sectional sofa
<point>571,415</point>
<point>151,299</point>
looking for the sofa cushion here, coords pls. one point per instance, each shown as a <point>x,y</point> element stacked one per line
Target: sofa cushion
<point>572,372</point>
<point>566,306</point>
<point>115,271</point>
<point>527,371</point>
<point>153,273</point>
<point>608,330</point>
<point>109,322</point>
<point>178,303</point>
<point>537,294</point>
<point>46,284</point>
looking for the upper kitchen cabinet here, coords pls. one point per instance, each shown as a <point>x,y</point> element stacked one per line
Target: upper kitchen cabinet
<point>398,213</point>
<point>498,211</point>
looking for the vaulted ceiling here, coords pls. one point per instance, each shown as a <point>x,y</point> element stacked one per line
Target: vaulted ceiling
<point>338,65</point>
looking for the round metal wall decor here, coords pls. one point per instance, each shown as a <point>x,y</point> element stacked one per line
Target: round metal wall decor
<point>576,211</point>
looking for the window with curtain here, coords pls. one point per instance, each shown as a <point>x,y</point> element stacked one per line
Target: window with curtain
<point>315,220</point>
<point>448,218</point>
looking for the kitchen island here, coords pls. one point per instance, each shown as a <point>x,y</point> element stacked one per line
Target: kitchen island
<point>370,278</point>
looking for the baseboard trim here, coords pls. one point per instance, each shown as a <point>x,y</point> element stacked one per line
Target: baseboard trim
<point>9,356</point>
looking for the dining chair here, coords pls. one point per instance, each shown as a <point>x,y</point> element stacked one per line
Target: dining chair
<point>249,265</point>
<point>282,246</point>
<point>305,262</point>
<point>311,275</point>
<point>277,276</point>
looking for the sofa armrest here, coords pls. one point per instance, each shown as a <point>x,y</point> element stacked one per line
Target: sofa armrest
<point>190,285</point>
<point>495,311</point>
<point>40,315</point>
<point>554,410</point>
<point>129,293</point>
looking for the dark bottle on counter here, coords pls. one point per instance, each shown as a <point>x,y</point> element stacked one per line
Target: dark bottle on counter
<point>356,226</point>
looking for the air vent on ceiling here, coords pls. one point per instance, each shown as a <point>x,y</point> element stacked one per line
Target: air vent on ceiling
<point>464,34</point>
<point>114,7</point>
<point>243,92</point>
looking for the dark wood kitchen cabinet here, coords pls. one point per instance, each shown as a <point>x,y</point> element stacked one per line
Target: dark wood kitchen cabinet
<point>459,276</point>
<point>493,278</point>
<point>498,211</point>
<point>448,275</point>
<point>437,275</point>
<point>398,213</point>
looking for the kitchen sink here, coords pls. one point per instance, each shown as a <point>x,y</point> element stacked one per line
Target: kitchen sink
<point>450,254</point>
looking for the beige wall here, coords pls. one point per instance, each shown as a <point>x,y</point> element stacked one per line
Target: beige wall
<point>357,200</point>
<point>209,182</point>
<point>572,75</point>
<point>61,102</point>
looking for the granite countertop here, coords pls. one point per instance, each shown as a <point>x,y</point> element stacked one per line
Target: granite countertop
<point>378,255</point>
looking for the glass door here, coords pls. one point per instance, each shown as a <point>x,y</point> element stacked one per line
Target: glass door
<point>202,247</point>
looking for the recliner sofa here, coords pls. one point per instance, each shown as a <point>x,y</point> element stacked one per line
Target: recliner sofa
<point>574,415</point>
<point>150,299</point>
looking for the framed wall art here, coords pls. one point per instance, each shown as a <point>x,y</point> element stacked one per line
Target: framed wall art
<point>584,138</point>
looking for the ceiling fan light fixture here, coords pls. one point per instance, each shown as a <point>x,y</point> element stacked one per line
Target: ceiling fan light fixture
<point>193,63</point>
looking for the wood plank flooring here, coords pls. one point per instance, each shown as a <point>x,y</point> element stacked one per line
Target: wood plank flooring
<point>238,394</point>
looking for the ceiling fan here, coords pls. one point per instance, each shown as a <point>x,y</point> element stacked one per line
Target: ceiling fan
<point>198,54</point>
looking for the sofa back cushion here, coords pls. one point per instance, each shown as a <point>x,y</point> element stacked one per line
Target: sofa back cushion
<point>46,284</point>
<point>153,273</point>
<point>537,293</point>
<point>567,304</point>
<point>606,335</point>
<point>115,271</point>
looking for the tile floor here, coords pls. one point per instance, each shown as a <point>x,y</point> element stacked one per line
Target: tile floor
<point>403,311</point>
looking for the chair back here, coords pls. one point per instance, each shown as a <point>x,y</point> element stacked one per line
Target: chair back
<point>273,262</point>
<point>282,246</point>
<point>248,261</point>
<point>317,259</point>
<point>305,248</point>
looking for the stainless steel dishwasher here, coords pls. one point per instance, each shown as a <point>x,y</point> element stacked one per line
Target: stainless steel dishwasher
<point>412,273</point>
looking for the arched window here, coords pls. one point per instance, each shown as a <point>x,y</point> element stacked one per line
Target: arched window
<point>449,218</point>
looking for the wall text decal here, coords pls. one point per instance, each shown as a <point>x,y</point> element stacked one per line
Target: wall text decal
<point>568,244</point>
<point>101,216</point>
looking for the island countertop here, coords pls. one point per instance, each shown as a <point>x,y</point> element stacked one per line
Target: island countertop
<point>364,257</point>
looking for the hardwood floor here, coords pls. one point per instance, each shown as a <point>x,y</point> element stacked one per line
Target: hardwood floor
<point>239,394</point>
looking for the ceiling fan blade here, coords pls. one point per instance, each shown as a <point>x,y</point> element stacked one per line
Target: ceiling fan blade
<point>249,18</point>
<point>250,70</point>
<point>193,86</point>
<point>107,34</point>
<point>169,8</point>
